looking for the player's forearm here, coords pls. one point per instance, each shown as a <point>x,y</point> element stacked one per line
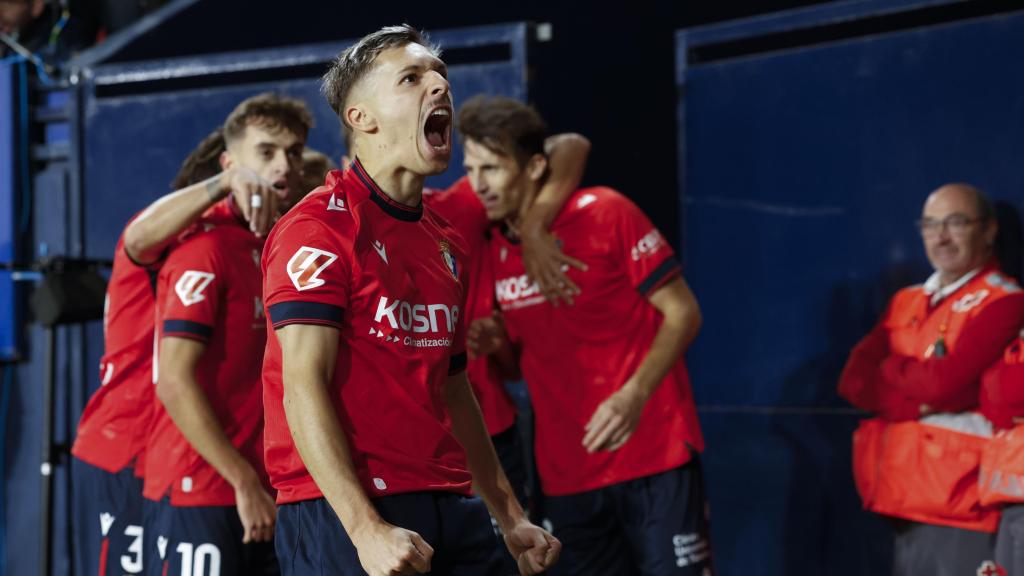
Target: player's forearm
<point>668,345</point>
<point>489,480</point>
<point>567,159</point>
<point>323,447</point>
<point>681,320</point>
<point>188,407</point>
<point>147,236</point>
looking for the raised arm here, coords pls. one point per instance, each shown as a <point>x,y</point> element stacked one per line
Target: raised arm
<point>147,236</point>
<point>542,258</point>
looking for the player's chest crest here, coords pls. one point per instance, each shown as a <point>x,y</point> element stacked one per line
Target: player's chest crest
<point>409,295</point>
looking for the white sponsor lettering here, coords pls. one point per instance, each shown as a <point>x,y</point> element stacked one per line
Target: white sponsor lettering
<point>649,244</point>
<point>690,549</point>
<point>518,292</point>
<point>416,318</point>
<point>191,285</point>
<point>426,342</point>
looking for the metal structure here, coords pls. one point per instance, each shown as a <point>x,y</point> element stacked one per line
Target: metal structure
<point>808,142</point>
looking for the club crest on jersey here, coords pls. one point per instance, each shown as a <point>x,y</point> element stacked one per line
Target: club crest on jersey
<point>305,266</point>
<point>449,260</point>
<point>191,285</point>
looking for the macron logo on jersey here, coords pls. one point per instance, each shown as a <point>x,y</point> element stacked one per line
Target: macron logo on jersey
<point>379,247</point>
<point>161,546</point>
<point>336,204</point>
<point>191,285</point>
<point>305,267</point>
<point>106,521</point>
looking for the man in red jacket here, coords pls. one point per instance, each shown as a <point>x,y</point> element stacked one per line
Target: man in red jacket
<point>921,367</point>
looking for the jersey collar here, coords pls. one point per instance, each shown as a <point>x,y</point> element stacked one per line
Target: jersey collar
<point>381,199</point>
<point>938,294</point>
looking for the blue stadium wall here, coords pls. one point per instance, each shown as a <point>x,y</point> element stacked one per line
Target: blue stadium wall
<point>788,154</point>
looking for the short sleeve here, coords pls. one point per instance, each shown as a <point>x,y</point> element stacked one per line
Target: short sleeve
<point>306,275</point>
<point>191,288</point>
<point>648,257</point>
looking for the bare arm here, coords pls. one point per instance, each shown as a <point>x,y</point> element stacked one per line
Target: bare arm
<point>617,417</point>
<point>309,354</point>
<point>543,260</point>
<point>186,403</point>
<point>534,549</point>
<point>147,236</point>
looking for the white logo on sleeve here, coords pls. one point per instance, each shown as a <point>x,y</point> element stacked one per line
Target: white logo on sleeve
<point>379,484</point>
<point>191,285</point>
<point>379,247</point>
<point>106,521</point>
<point>336,204</point>
<point>305,266</point>
<point>108,373</point>
<point>586,200</point>
<point>649,244</point>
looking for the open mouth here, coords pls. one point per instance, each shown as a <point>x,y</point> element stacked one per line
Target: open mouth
<point>437,129</point>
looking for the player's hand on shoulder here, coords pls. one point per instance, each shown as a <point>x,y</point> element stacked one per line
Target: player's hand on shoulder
<point>533,547</point>
<point>485,335</point>
<point>615,420</point>
<point>254,196</point>
<point>256,510</point>
<point>547,265</point>
<point>387,550</point>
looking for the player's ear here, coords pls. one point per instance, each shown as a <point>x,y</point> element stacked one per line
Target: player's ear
<point>360,118</point>
<point>536,166</point>
<point>226,160</point>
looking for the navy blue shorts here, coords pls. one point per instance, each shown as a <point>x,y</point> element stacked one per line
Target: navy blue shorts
<point>202,541</point>
<point>108,536</point>
<point>312,542</point>
<point>654,525</point>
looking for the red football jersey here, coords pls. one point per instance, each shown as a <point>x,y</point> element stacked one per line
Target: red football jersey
<point>115,423</point>
<point>575,357</point>
<point>462,208</point>
<point>390,278</point>
<point>209,290</point>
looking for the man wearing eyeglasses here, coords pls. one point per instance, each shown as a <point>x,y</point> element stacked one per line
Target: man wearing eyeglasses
<point>918,371</point>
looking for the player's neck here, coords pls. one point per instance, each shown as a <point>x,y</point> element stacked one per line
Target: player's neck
<point>514,221</point>
<point>399,183</point>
